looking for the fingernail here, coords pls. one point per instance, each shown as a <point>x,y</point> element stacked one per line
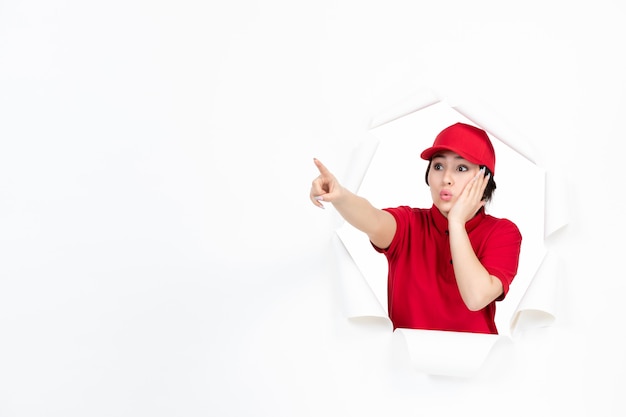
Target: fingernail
<point>319,198</point>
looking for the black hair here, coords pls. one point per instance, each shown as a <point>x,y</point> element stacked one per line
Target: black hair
<point>491,184</point>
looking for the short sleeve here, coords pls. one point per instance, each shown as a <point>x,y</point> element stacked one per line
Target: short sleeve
<point>402,216</point>
<point>500,256</point>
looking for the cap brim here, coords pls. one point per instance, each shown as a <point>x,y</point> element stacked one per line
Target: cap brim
<point>432,151</point>
<point>427,154</point>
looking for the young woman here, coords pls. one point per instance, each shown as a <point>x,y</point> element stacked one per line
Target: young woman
<point>448,264</point>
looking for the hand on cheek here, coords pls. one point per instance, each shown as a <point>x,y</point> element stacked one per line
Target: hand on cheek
<point>470,199</point>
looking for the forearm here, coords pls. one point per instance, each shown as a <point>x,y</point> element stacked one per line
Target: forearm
<point>477,287</point>
<point>379,225</point>
<point>357,211</point>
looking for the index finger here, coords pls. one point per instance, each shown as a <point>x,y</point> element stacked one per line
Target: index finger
<point>323,170</point>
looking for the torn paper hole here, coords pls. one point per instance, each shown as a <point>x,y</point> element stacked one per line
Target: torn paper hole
<point>394,176</point>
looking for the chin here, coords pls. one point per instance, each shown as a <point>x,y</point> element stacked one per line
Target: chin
<point>444,207</point>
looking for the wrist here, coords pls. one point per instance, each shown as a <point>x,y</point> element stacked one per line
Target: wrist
<point>340,195</point>
<point>454,224</point>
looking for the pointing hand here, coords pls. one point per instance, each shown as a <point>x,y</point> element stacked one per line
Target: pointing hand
<point>325,187</point>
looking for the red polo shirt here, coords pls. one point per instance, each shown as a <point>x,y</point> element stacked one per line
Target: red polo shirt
<point>422,291</point>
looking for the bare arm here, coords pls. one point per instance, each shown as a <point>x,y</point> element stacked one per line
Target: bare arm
<point>477,287</point>
<point>379,225</point>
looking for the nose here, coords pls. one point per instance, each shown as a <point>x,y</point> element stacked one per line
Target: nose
<point>447,177</point>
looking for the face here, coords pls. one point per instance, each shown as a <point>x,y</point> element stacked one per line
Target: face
<point>447,177</point>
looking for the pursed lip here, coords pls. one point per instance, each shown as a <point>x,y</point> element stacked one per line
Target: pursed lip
<point>445,195</point>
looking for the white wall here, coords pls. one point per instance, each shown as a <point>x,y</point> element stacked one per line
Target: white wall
<point>158,252</point>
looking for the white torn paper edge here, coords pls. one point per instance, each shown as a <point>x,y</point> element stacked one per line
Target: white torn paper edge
<point>408,105</point>
<point>482,117</point>
<point>358,298</point>
<point>360,161</point>
<point>557,204</point>
<point>432,351</point>
<point>444,353</point>
<point>538,307</point>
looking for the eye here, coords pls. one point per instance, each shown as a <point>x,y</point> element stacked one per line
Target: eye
<point>462,168</point>
<point>437,166</point>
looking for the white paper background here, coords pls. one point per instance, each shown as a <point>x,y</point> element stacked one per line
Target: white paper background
<point>158,252</point>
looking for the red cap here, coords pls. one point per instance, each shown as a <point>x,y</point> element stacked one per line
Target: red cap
<point>468,141</point>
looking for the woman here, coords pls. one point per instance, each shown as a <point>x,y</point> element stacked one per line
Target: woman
<point>449,264</point>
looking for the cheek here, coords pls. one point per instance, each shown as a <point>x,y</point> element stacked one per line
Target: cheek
<point>462,182</point>
<point>432,177</point>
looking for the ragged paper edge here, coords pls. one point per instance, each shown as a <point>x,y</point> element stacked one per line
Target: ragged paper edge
<point>504,132</point>
<point>360,301</point>
<point>538,306</point>
<point>360,161</point>
<point>358,298</point>
<point>444,353</point>
<point>410,104</point>
<point>557,204</point>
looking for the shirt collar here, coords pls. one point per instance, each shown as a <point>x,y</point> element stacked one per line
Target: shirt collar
<point>441,222</point>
